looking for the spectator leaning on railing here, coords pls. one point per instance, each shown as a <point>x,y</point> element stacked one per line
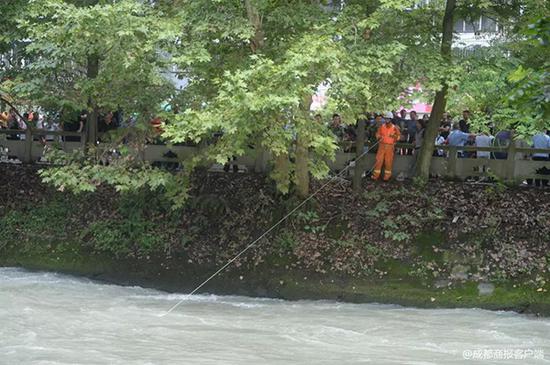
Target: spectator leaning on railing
<point>502,139</point>
<point>484,140</point>
<point>458,138</point>
<point>541,140</point>
<point>345,134</point>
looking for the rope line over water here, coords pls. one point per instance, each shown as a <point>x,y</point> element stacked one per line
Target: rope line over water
<point>253,243</point>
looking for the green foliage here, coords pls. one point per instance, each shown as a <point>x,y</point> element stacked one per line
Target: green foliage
<point>381,209</point>
<point>275,55</point>
<point>308,216</point>
<point>498,187</point>
<point>482,83</point>
<point>425,270</point>
<point>506,85</point>
<point>60,223</point>
<point>129,237</point>
<point>419,183</point>
<point>81,172</point>
<point>124,36</point>
<point>36,226</point>
<point>374,251</point>
<point>210,204</point>
<point>86,178</point>
<point>372,195</point>
<point>252,68</point>
<point>12,39</point>
<point>310,221</point>
<point>286,240</point>
<point>531,81</point>
<point>391,231</point>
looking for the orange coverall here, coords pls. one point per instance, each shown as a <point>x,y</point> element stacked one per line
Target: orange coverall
<point>388,135</point>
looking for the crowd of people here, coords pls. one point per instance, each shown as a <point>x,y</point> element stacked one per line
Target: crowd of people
<point>54,122</point>
<point>384,131</point>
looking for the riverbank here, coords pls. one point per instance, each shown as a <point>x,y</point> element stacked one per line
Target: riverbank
<point>444,245</point>
<point>267,281</point>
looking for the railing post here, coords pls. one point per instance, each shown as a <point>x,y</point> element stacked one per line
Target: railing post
<point>260,164</point>
<point>451,163</point>
<point>511,163</point>
<point>28,145</point>
<point>83,140</point>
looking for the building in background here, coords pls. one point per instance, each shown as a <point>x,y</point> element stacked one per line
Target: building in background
<point>469,34</point>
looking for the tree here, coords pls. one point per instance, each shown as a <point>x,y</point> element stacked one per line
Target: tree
<point>12,50</point>
<point>480,81</point>
<point>426,151</point>
<point>254,67</point>
<point>94,50</point>
<point>251,69</point>
<point>98,55</point>
<point>530,81</point>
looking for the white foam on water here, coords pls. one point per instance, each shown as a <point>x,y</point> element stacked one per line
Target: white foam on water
<point>56,319</point>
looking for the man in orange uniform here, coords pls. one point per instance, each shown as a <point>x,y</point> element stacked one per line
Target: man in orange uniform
<point>388,134</point>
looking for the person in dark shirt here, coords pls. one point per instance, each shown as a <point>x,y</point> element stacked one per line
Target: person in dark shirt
<point>345,134</point>
<point>336,127</point>
<point>73,122</point>
<point>118,117</point>
<point>318,118</point>
<point>402,120</point>
<point>411,125</point>
<point>445,126</point>
<point>372,128</point>
<point>464,123</point>
<point>106,123</point>
<point>350,132</point>
<point>82,120</point>
<point>12,120</point>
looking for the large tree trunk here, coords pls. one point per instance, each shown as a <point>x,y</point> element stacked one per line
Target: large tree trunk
<point>255,19</point>
<point>91,121</point>
<point>360,160</point>
<point>440,101</point>
<point>301,167</point>
<point>301,170</point>
<point>281,172</point>
<point>256,43</point>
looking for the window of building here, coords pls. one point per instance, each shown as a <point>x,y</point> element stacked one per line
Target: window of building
<point>469,26</point>
<point>459,26</point>
<point>488,25</point>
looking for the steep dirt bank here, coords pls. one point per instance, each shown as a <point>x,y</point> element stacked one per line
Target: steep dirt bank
<point>441,245</point>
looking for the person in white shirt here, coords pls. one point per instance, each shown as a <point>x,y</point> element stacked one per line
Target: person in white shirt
<point>542,141</point>
<point>440,141</point>
<point>52,126</point>
<point>484,140</point>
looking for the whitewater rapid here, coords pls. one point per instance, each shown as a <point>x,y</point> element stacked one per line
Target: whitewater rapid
<point>49,319</point>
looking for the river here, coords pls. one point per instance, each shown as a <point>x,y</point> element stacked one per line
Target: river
<point>48,318</point>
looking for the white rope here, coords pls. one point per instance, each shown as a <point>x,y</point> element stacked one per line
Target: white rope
<point>266,233</point>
